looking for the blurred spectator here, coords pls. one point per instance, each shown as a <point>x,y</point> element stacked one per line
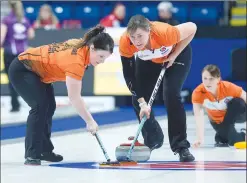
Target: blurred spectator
<point>15,31</point>
<point>5,9</point>
<point>46,19</point>
<point>165,13</point>
<point>72,24</point>
<point>115,18</point>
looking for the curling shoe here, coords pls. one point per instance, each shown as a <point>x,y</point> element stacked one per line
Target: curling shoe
<point>51,156</point>
<point>185,155</point>
<point>31,161</point>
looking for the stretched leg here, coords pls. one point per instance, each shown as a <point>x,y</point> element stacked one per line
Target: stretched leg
<point>47,144</point>
<point>173,83</point>
<point>33,91</point>
<point>47,150</point>
<point>8,58</point>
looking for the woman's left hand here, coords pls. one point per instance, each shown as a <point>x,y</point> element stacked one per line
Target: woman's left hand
<point>170,59</point>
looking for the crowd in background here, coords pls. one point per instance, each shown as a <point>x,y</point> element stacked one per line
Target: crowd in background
<point>14,22</point>
<point>47,18</point>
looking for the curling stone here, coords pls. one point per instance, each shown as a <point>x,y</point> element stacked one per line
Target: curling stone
<point>139,153</point>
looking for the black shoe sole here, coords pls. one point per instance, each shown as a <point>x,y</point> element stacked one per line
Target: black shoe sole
<point>187,160</point>
<point>32,163</point>
<point>27,164</point>
<point>51,160</point>
<point>221,145</point>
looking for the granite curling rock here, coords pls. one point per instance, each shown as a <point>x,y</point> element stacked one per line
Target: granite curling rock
<point>140,152</point>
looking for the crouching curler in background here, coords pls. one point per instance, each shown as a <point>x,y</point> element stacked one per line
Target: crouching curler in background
<point>224,102</point>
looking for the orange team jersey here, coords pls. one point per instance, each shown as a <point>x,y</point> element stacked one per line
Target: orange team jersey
<point>56,61</point>
<point>216,106</point>
<point>163,38</point>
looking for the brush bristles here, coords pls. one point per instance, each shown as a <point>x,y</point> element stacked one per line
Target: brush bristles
<point>116,163</point>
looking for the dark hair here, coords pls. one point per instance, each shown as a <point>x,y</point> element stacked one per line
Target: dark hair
<point>95,36</point>
<point>138,21</point>
<point>213,70</point>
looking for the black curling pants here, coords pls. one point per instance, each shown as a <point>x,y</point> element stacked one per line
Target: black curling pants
<point>147,74</point>
<point>40,97</point>
<point>225,131</point>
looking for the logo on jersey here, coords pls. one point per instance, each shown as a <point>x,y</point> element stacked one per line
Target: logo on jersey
<point>155,53</point>
<point>217,105</point>
<point>163,165</point>
<point>163,50</point>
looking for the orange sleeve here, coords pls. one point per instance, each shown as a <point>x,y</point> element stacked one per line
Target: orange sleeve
<point>124,47</point>
<point>75,71</point>
<point>170,35</point>
<point>197,97</point>
<point>74,65</point>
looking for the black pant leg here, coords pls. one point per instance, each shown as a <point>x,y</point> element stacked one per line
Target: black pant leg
<point>226,129</point>
<point>8,58</point>
<point>235,108</point>
<point>174,79</point>
<point>47,143</point>
<point>33,91</point>
<point>151,131</point>
<point>147,74</point>
<point>218,137</point>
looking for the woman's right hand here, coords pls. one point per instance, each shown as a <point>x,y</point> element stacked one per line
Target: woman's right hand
<point>92,127</point>
<point>145,110</point>
<point>197,143</point>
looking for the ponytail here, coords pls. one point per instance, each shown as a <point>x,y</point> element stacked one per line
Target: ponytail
<point>95,36</point>
<point>92,33</point>
<point>87,38</point>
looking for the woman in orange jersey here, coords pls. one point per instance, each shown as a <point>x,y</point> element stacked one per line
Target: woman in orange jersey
<point>153,44</point>
<point>224,103</point>
<point>33,73</point>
